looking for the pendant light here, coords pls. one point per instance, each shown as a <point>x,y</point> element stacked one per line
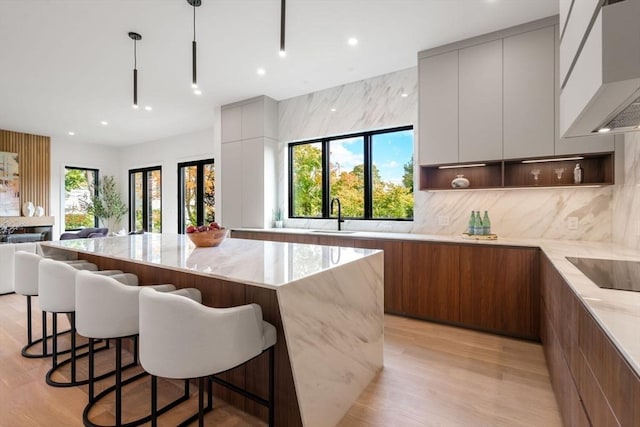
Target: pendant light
<point>135,37</point>
<point>283,5</point>
<point>194,77</point>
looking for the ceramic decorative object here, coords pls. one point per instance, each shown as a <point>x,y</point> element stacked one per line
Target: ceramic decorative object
<point>460,182</point>
<point>39,211</point>
<point>28,209</point>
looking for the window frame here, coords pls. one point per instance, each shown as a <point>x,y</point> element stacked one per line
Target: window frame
<point>95,184</point>
<point>145,191</point>
<point>326,194</point>
<point>199,191</point>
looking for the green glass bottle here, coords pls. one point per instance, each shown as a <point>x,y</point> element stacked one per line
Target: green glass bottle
<point>477,224</point>
<point>472,220</point>
<point>486,224</point>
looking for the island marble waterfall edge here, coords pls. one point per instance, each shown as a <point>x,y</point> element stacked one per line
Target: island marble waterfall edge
<point>335,336</point>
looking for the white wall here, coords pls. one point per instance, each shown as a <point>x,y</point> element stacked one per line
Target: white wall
<point>167,153</point>
<point>77,154</point>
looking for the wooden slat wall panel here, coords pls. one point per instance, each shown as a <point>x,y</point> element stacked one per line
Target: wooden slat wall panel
<point>34,153</point>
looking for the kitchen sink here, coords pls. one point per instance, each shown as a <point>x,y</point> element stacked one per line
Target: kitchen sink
<point>332,231</point>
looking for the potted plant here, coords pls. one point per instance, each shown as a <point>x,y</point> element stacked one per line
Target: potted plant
<point>278,222</point>
<point>106,204</point>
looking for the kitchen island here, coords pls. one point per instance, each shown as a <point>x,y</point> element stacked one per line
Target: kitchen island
<point>326,303</point>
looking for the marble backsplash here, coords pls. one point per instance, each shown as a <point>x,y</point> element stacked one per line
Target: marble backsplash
<point>626,197</point>
<point>376,103</point>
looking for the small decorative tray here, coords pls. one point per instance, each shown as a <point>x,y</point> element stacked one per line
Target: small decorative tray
<point>479,236</point>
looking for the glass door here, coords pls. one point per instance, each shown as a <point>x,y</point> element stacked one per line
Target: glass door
<point>145,199</point>
<point>197,193</point>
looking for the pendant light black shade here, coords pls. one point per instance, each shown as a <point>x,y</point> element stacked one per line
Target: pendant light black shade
<point>282,21</point>
<point>194,72</point>
<point>135,37</point>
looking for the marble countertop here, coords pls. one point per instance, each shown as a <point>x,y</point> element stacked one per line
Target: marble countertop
<point>438,238</point>
<point>617,312</point>
<point>265,264</point>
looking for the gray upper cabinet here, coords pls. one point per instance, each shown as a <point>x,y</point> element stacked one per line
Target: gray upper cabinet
<point>529,74</point>
<point>232,124</point>
<point>439,109</point>
<point>480,102</point>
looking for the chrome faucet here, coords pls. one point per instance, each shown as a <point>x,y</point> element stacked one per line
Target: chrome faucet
<point>340,220</point>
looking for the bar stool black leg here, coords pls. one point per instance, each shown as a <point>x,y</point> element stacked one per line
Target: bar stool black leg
<point>201,402</point>
<point>154,401</point>
<point>29,334</point>
<point>91,368</point>
<point>271,387</point>
<point>44,332</point>
<point>54,356</point>
<point>118,382</point>
<point>73,347</point>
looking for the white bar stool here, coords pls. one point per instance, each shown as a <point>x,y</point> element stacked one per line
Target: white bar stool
<point>26,283</point>
<point>171,327</point>
<point>57,291</point>
<point>108,309</point>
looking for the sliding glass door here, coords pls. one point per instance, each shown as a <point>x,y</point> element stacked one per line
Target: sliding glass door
<point>196,184</point>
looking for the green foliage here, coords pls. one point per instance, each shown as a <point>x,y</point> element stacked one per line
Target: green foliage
<point>307,180</point>
<point>107,203</point>
<point>74,179</point>
<point>407,178</point>
<point>389,200</point>
<point>77,220</point>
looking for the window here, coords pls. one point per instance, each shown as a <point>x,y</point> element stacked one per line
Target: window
<point>371,173</point>
<point>197,193</point>
<point>145,199</point>
<point>79,185</point>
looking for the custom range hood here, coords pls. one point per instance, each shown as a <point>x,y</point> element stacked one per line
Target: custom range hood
<point>600,89</point>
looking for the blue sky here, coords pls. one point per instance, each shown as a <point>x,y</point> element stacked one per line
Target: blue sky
<point>390,152</point>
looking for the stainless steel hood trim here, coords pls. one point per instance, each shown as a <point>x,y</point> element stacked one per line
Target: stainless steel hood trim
<point>614,43</point>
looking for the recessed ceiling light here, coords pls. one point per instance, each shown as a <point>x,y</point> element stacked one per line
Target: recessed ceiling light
<point>104,123</point>
<point>404,95</point>
<point>261,71</point>
<point>604,130</point>
<point>148,108</point>
<point>282,53</point>
<point>197,92</point>
<point>352,41</point>
<point>333,110</point>
<point>71,133</point>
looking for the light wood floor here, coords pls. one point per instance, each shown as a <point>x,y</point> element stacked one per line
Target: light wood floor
<point>434,375</point>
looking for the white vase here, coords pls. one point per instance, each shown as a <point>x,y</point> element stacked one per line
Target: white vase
<point>460,182</point>
<point>28,209</point>
<point>39,211</point>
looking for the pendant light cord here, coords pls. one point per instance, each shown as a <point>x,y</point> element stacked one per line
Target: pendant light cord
<point>135,54</point>
<point>194,21</point>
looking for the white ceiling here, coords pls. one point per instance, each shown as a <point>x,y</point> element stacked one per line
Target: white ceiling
<point>66,65</point>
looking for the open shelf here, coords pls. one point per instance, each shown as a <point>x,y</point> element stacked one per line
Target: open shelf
<point>597,169</point>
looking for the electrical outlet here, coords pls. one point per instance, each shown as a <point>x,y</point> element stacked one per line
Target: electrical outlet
<point>572,223</point>
<point>443,220</point>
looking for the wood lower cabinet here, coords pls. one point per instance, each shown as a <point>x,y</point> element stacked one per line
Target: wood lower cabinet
<point>495,289</point>
<point>499,289</point>
<point>593,383</point>
<point>431,281</point>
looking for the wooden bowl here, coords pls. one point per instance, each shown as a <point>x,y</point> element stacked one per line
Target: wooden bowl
<point>207,239</point>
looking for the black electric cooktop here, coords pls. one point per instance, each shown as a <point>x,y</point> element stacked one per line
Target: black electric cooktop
<point>610,273</point>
